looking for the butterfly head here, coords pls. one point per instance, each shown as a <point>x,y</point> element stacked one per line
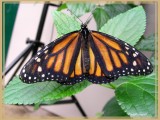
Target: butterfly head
<point>84,30</point>
<point>83,26</point>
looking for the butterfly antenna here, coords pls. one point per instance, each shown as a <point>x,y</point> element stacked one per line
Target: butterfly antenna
<point>90,17</point>
<point>74,15</point>
<point>88,20</point>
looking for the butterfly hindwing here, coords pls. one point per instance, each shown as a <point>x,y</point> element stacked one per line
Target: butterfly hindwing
<point>56,61</point>
<point>117,58</point>
<point>96,74</point>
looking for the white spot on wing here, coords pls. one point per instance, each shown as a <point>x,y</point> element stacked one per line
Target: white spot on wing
<point>39,69</point>
<point>126,44</point>
<point>38,53</point>
<point>45,47</point>
<point>134,55</point>
<point>134,63</point>
<point>43,75</point>
<point>38,60</point>
<point>127,48</point>
<point>127,53</point>
<point>25,75</point>
<point>46,51</point>
<point>23,70</point>
<point>137,53</point>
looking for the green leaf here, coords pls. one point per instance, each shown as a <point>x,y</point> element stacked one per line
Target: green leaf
<point>62,7</point>
<point>80,9</point>
<point>65,23</point>
<point>147,44</point>
<point>128,26</point>
<point>123,79</point>
<point>115,9</point>
<point>113,109</point>
<point>101,17</point>
<point>104,13</point>
<point>137,96</point>
<point>18,92</point>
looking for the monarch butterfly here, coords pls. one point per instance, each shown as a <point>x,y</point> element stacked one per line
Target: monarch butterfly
<point>85,54</point>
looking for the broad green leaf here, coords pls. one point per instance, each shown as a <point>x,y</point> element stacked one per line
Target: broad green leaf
<point>147,44</point>
<point>137,97</point>
<point>80,9</point>
<point>104,13</point>
<point>65,23</point>
<point>18,92</point>
<point>115,9</point>
<point>101,17</point>
<point>113,109</point>
<point>128,26</point>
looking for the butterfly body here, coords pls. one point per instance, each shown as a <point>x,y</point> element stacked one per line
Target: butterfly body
<point>85,49</point>
<point>85,54</point>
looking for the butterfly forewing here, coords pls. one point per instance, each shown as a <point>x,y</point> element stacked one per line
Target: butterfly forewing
<point>117,58</point>
<point>55,61</point>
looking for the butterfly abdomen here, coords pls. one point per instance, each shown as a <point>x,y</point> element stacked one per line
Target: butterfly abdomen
<point>85,50</point>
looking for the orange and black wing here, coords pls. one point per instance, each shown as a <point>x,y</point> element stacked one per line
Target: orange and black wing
<point>96,73</point>
<point>56,61</point>
<point>112,58</point>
